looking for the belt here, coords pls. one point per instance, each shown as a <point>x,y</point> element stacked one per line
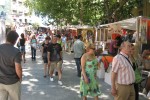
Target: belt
<point>131,84</point>
<point>126,84</point>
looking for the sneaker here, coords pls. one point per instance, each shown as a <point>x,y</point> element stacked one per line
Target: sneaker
<point>51,79</point>
<point>60,83</point>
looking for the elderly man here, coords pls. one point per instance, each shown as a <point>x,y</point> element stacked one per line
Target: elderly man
<point>123,77</point>
<point>10,69</point>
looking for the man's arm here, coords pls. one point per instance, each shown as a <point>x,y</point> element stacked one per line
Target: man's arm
<point>113,87</point>
<point>18,69</point>
<point>48,57</point>
<point>115,67</point>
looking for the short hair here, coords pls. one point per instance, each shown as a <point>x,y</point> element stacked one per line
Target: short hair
<point>12,37</point>
<point>22,36</point>
<point>58,36</point>
<point>79,36</point>
<point>75,37</point>
<point>47,38</point>
<point>123,44</point>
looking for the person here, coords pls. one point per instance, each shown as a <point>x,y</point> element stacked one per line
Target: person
<point>40,40</point>
<point>55,59</point>
<point>64,42</point>
<point>73,40</point>
<point>10,69</point>
<point>146,59</point>
<point>88,82</point>
<point>59,41</point>
<point>22,46</point>
<point>44,55</point>
<point>78,52</point>
<point>134,65</point>
<point>114,45</point>
<point>33,43</point>
<point>122,76</point>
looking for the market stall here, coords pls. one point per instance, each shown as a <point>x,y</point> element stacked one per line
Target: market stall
<point>135,30</point>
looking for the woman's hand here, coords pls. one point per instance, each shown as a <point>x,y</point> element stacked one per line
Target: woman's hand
<point>86,80</point>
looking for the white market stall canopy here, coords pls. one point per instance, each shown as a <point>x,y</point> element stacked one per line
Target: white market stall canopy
<point>126,24</point>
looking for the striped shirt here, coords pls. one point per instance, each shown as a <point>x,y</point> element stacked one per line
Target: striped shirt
<point>124,70</point>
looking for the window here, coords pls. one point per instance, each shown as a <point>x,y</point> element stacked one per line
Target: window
<point>20,3</point>
<point>20,20</point>
<point>14,0</point>
<point>14,11</point>
<point>25,20</point>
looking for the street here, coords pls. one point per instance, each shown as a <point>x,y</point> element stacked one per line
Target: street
<point>36,87</point>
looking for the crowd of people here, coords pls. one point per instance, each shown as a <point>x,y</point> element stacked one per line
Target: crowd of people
<point>123,79</point>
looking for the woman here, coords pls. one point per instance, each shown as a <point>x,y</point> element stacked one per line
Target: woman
<point>136,87</point>
<point>33,43</point>
<point>22,46</point>
<point>88,82</point>
<point>44,54</point>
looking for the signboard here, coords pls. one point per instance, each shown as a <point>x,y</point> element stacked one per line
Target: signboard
<point>143,30</point>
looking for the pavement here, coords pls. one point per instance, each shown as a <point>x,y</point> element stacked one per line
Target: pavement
<point>36,87</point>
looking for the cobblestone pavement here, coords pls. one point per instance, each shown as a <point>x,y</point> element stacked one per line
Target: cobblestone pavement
<point>36,87</point>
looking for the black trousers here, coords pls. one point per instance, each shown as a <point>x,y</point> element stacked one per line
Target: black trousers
<point>78,64</point>
<point>136,88</point>
<point>33,53</point>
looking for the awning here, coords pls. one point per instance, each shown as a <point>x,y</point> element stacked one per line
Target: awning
<point>126,24</point>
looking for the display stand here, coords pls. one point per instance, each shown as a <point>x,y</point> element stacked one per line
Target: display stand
<point>107,78</point>
<point>101,72</point>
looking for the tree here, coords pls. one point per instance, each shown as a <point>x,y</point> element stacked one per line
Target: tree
<point>87,12</point>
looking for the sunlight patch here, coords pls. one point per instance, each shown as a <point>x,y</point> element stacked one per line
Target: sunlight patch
<point>33,80</point>
<point>27,74</point>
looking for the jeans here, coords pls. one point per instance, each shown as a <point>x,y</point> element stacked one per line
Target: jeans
<point>78,64</point>
<point>33,53</point>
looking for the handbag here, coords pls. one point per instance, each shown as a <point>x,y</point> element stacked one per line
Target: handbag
<point>18,44</point>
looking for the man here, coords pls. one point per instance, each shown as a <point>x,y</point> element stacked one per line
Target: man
<point>40,39</point>
<point>10,68</point>
<point>122,76</point>
<point>64,42</point>
<point>78,52</point>
<point>55,59</point>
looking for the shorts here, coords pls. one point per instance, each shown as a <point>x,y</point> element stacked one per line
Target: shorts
<point>45,60</point>
<point>55,64</point>
<point>22,49</point>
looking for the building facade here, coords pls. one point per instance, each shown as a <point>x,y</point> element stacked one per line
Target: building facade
<point>15,12</point>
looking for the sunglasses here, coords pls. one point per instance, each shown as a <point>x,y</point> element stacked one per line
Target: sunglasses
<point>93,48</point>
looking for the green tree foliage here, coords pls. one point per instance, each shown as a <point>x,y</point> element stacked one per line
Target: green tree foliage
<point>88,12</point>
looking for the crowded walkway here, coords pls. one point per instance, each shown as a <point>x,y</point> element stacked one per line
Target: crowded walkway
<point>36,87</point>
